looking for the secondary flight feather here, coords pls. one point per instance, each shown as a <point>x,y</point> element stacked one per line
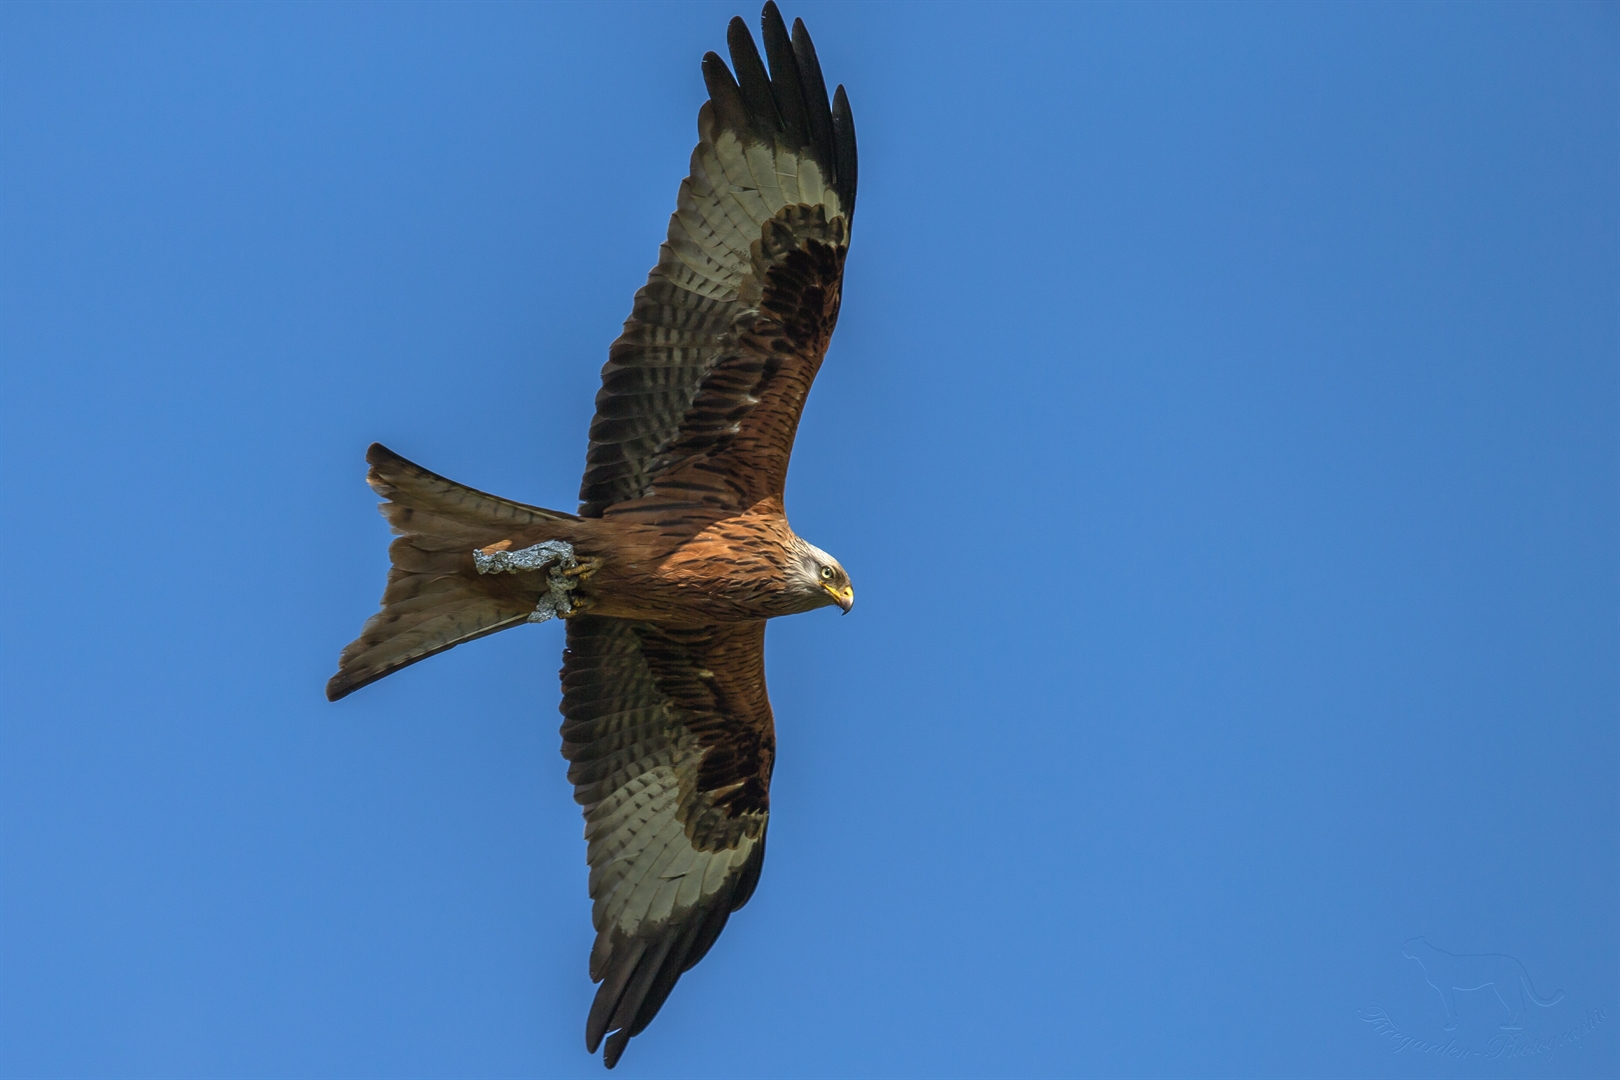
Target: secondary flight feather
<point>681,548</point>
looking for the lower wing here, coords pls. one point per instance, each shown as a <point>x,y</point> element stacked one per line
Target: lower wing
<point>670,742</point>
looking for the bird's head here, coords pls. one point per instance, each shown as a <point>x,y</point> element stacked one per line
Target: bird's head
<point>819,578</point>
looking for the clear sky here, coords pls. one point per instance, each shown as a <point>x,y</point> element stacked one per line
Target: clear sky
<point>1221,433</point>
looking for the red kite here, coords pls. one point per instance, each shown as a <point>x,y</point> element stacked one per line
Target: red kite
<point>681,548</point>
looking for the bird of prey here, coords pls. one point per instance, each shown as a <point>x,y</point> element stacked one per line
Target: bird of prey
<point>681,548</point>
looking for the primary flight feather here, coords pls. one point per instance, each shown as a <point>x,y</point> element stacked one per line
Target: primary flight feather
<point>681,548</point>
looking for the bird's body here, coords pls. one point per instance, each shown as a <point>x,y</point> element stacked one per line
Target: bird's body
<point>735,568</point>
<point>681,548</point>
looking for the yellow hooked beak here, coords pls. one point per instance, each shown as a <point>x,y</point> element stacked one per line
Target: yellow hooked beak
<point>844,598</point>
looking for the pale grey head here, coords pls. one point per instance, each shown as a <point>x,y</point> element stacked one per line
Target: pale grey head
<point>818,577</point>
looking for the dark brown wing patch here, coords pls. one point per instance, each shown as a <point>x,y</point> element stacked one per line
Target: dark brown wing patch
<point>736,438</point>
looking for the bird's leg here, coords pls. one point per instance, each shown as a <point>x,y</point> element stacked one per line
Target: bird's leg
<point>564,572</point>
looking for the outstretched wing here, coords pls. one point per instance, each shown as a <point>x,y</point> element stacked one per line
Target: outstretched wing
<point>671,744</point>
<point>702,393</point>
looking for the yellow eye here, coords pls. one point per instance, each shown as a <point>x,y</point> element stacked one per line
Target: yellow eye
<point>826,573</point>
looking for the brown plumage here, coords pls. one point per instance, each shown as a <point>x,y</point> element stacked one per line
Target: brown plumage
<point>681,548</point>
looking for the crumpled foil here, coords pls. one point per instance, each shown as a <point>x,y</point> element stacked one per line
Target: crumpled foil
<point>558,555</point>
<point>537,557</point>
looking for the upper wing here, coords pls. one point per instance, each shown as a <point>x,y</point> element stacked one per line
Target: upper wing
<point>701,394</point>
<point>671,743</point>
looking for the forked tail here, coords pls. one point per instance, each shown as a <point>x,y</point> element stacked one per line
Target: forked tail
<point>436,598</point>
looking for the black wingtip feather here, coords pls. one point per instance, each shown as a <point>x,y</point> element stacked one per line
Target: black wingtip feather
<point>615,1048</point>
<point>814,88</point>
<point>611,992</point>
<point>724,96</point>
<point>656,990</point>
<point>785,82</point>
<point>844,141</point>
<point>789,102</point>
<point>753,81</point>
<point>632,1015</point>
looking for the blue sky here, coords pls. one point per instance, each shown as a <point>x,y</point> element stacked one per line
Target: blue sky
<point>1221,433</point>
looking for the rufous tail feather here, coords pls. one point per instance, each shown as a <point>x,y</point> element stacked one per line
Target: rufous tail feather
<point>435,598</point>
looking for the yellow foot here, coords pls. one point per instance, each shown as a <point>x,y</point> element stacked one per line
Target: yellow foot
<point>583,569</point>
